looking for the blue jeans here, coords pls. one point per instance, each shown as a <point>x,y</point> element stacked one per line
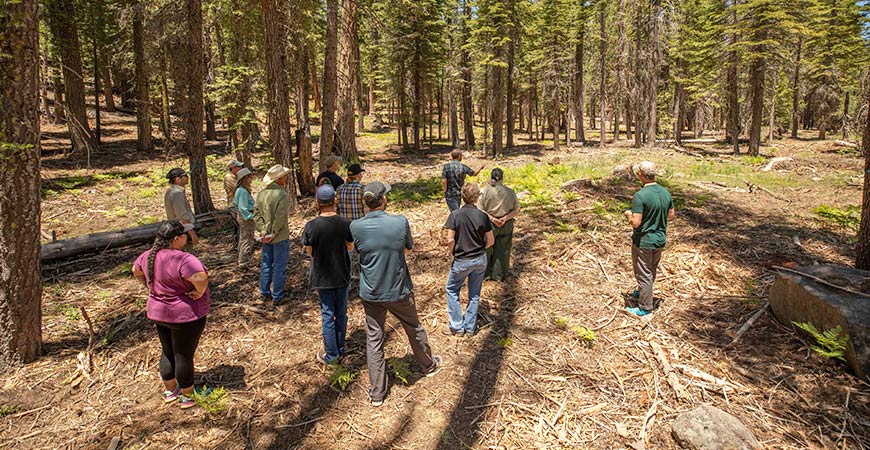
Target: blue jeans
<point>452,203</point>
<point>333,315</point>
<point>273,269</point>
<point>473,269</point>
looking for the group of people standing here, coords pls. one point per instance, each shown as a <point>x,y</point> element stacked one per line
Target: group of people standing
<point>353,229</point>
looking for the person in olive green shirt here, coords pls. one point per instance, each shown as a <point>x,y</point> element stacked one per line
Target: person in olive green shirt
<point>651,209</point>
<point>500,203</point>
<point>270,217</point>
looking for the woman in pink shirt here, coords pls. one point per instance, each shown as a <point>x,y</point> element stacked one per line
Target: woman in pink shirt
<point>178,302</point>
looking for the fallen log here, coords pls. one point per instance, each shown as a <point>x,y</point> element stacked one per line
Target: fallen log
<point>105,240</point>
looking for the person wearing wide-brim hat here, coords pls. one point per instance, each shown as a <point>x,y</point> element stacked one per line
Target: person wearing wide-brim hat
<point>175,200</point>
<point>243,203</point>
<point>270,217</point>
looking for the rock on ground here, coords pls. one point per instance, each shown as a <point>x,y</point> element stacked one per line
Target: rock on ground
<point>709,428</point>
<point>795,298</point>
<point>780,162</point>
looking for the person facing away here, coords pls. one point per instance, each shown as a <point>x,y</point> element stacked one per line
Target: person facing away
<point>332,164</point>
<point>469,234</point>
<point>175,200</point>
<point>501,206</point>
<point>453,177</point>
<point>385,285</point>
<point>231,181</point>
<point>178,303</point>
<point>243,203</point>
<point>327,240</point>
<point>651,209</point>
<point>350,194</point>
<point>270,217</point>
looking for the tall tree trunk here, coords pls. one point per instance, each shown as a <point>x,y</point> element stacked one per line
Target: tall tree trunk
<point>97,123</point>
<point>846,116</point>
<point>862,249</point>
<point>278,95</point>
<point>65,32</point>
<point>511,53</point>
<point>795,89</point>
<point>497,104</point>
<point>578,85</point>
<point>417,85</point>
<point>327,118</point>
<point>143,104</point>
<point>303,133</point>
<point>772,106</point>
<point>678,112</point>
<point>210,114</point>
<point>732,88</point>
<point>191,92</point>
<point>108,88</point>
<point>653,75</point>
<point>602,73</point>
<point>756,88</point>
<point>465,58</point>
<point>59,106</point>
<point>639,91</point>
<point>315,87</point>
<point>348,49</point>
<point>165,117</point>
<point>20,276</point>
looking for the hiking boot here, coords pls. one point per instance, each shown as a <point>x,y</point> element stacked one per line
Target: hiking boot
<point>279,302</point>
<point>171,396</point>
<point>451,332</point>
<point>438,363</point>
<point>640,312</point>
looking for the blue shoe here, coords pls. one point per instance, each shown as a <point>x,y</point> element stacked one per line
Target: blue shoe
<point>635,294</point>
<point>640,312</point>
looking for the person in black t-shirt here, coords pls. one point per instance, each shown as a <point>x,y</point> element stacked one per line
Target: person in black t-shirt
<point>332,164</point>
<point>327,240</point>
<point>469,234</point>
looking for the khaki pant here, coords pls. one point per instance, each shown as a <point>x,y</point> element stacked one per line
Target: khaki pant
<point>645,262</point>
<point>246,242</point>
<point>376,315</point>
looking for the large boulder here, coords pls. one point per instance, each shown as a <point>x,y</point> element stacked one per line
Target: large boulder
<point>796,298</point>
<point>709,428</point>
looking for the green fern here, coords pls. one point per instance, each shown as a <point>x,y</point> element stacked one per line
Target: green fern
<point>213,400</point>
<point>341,376</point>
<point>830,344</point>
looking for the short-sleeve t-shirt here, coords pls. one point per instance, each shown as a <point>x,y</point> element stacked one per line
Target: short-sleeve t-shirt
<point>330,263</point>
<point>167,298</point>
<point>470,226</point>
<point>335,179</point>
<point>455,173</point>
<point>654,202</point>
<point>381,240</point>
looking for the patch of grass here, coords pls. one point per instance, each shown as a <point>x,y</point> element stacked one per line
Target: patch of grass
<point>111,190</point>
<point>587,336</point>
<point>505,342</point>
<point>148,193</point>
<point>6,410</point>
<point>140,302</point>
<point>563,227</point>
<point>830,344</point>
<point>416,192</point>
<point>848,218</point>
<point>103,294</point>
<point>214,402</point>
<point>569,196</point>
<point>109,338</point>
<point>71,313</point>
<point>400,369</point>
<point>341,376</point>
<point>753,160</point>
<point>561,323</point>
<point>145,220</point>
<point>550,238</point>
<point>118,211</point>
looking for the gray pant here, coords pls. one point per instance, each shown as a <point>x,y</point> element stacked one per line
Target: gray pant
<point>376,315</point>
<point>645,262</point>
<point>246,242</point>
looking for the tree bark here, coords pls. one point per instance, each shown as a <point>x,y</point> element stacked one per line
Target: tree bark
<point>511,115</point>
<point>210,115</point>
<point>653,75</point>
<point>732,89</point>
<point>578,85</point>
<point>467,108</point>
<point>795,90</point>
<point>65,32</point>
<point>862,249</point>
<point>191,93</point>
<point>772,106</point>
<point>97,123</point>
<point>278,96</point>
<point>315,87</point>
<point>327,118</point>
<point>20,276</point>
<point>143,104</point>
<point>59,105</point>
<point>108,88</point>
<point>497,104</point>
<point>602,73</point>
<point>756,87</point>
<point>348,46</point>
<point>305,174</point>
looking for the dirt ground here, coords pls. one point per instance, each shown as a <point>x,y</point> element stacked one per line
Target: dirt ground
<point>527,380</point>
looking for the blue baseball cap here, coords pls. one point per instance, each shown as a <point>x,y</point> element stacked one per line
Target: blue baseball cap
<point>325,193</point>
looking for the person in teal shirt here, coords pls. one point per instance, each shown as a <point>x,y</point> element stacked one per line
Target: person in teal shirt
<point>651,209</point>
<point>243,201</point>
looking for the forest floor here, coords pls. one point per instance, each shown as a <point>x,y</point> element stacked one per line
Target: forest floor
<point>532,378</point>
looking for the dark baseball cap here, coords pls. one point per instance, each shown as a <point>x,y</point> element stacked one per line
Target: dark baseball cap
<point>175,173</point>
<point>355,169</point>
<point>375,191</point>
<point>497,174</point>
<point>172,228</point>
<point>325,193</point>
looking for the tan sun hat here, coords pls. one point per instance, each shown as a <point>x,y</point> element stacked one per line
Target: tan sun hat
<point>275,172</point>
<point>242,174</point>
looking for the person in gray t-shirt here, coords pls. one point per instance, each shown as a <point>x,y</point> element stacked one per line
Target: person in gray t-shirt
<point>385,285</point>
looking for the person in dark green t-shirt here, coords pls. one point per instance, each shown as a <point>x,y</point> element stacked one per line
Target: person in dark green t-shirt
<point>651,209</point>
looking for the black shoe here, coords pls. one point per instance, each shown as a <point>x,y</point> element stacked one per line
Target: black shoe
<point>265,298</point>
<point>279,302</point>
<point>472,333</point>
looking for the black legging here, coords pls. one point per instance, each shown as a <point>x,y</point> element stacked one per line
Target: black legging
<point>179,342</point>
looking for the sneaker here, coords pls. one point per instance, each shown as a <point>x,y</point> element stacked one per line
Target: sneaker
<point>321,358</point>
<point>450,332</point>
<point>265,298</point>
<point>171,396</point>
<point>186,402</point>
<point>377,403</point>
<point>471,333</point>
<point>279,302</point>
<point>640,312</point>
<point>439,363</point>
<point>636,294</point>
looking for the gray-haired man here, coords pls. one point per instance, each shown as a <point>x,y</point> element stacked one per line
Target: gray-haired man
<point>651,208</point>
